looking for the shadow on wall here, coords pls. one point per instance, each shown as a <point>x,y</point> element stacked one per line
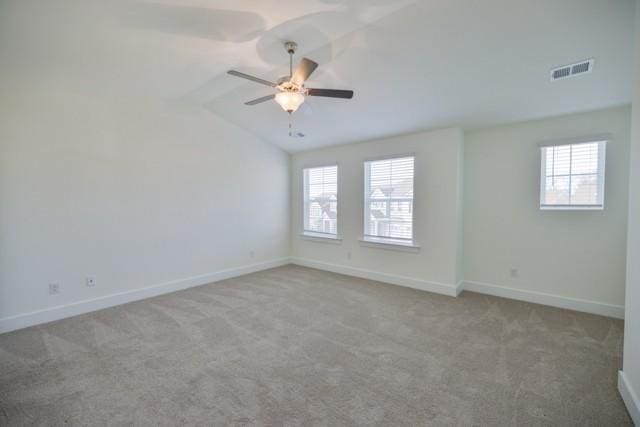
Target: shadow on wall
<point>247,40</point>
<point>314,32</point>
<point>323,36</point>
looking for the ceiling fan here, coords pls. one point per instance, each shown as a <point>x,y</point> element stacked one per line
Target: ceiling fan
<point>291,88</point>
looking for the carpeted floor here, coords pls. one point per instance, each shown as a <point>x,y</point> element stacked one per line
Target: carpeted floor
<point>296,346</point>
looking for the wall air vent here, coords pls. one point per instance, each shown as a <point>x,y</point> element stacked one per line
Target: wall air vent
<point>572,70</point>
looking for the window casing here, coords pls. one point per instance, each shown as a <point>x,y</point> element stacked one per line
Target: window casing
<point>321,200</point>
<point>388,200</point>
<point>572,176</point>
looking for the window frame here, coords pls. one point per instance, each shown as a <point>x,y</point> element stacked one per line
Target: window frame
<point>393,243</point>
<point>602,141</point>
<point>318,235</point>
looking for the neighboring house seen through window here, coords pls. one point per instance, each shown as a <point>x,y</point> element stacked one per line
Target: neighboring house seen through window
<point>321,200</point>
<point>388,200</point>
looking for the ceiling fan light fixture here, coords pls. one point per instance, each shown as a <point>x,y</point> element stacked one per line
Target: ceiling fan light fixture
<point>289,101</point>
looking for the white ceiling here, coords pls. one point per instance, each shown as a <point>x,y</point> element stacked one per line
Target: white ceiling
<point>413,64</point>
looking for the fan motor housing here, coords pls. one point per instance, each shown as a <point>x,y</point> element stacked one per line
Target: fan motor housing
<point>287,86</point>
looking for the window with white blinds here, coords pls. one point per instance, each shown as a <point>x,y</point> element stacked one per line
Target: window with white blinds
<point>321,200</point>
<point>573,176</point>
<point>388,199</point>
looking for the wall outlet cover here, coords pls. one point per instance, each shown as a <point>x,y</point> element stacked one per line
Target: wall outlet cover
<point>54,288</point>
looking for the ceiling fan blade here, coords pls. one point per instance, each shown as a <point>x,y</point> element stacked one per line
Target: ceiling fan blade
<point>304,70</point>
<point>252,78</point>
<point>331,93</point>
<point>259,100</point>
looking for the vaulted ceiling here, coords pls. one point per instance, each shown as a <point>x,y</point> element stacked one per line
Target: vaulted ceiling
<point>413,64</point>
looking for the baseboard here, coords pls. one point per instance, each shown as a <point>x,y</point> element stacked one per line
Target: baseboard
<point>409,282</point>
<point>630,397</point>
<point>459,288</point>
<point>20,321</point>
<point>593,307</point>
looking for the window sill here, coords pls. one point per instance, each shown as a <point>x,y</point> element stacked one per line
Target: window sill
<point>321,237</point>
<point>571,208</point>
<point>389,244</point>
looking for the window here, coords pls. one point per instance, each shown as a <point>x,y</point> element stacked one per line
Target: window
<point>388,200</point>
<point>573,176</point>
<point>321,201</point>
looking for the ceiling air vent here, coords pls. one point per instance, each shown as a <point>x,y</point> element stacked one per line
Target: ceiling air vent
<point>572,70</point>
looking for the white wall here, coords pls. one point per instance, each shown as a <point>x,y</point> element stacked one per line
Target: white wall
<point>134,192</point>
<point>436,211</point>
<point>630,378</point>
<point>106,170</point>
<point>575,255</point>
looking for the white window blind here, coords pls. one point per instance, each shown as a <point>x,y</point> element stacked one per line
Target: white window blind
<point>321,200</point>
<point>573,176</point>
<point>388,199</point>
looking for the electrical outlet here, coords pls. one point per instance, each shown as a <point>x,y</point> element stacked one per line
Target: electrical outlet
<point>91,281</point>
<point>514,272</point>
<point>54,288</point>
<point>348,255</point>
<point>252,254</point>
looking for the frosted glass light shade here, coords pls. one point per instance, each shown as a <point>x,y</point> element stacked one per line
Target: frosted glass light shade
<point>289,101</point>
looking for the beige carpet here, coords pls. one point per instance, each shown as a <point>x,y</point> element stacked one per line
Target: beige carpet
<point>296,346</point>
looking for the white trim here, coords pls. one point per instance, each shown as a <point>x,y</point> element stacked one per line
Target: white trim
<point>305,202</point>
<point>629,397</point>
<point>602,158</point>
<point>367,201</point>
<point>408,282</point>
<point>389,244</point>
<point>389,157</point>
<point>603,309</point>
<point>20,321</point>
<point>319,165</point>
<point>459,288</point>
<point>321,237</point>
<point>571,207</point>
<point>606,137</point>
